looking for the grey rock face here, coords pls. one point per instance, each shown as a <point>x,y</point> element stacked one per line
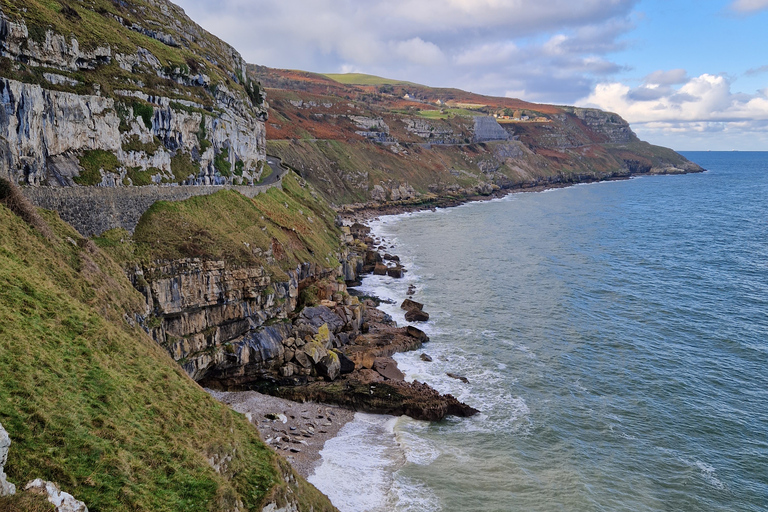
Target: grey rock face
<point>40,127</point>
<point>6,488</point>
<point>64,502</point>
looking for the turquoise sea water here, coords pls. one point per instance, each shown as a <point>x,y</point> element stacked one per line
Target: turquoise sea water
<point>615,338</point>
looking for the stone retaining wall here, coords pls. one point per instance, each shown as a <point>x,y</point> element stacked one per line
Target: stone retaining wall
<point>94,210</point>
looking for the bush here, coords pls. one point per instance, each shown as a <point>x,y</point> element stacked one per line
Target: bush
<point>91,162</point>
<point>221,163</point>
<point>182,167</point>
<point>145,112</point>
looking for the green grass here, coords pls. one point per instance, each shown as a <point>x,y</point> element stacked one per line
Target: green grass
<point>183,167</point>
<point>363,79</point>
<point>222,164</point>
<point>97,406</point>
<point>141,178</point>
<point>93,160</point>
<point>446,113</point>
<point>292,223</point>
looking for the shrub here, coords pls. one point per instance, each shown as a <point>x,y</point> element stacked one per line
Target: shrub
<point>93,160</point>
<point>221,163</point>
<point>145,112</point>
<point>182,166</point>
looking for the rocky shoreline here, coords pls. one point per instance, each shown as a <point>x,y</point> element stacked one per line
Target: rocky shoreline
<point>297,415</point>
<point>365,212</point>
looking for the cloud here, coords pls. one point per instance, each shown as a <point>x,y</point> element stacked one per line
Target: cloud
<point>557,49</point>
<point>671,77</point>
<point>703,104</point>
<point>749,6</point>
<point>757,71</point>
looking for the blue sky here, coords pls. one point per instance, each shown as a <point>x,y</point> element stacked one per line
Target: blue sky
<point>691,75</point>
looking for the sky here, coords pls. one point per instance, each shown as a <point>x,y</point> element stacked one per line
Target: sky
<point>686,74</point>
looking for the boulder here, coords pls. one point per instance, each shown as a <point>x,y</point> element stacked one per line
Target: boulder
<point>329,366</point>
<point>288,370</point>
<point>416,315</point>
<point>372,258</point>
<point>315,351</point>
<point>319,315</point>
<point>347,365</point>
<point>387,368</point>
<point>426,358</point>
<point>415,332</point>
<point>380,269</point>
<point>64,502</point>
<point>303,359</point>
<point>396,272</point>
<point>409,305</point>
<point>6,488</point>
<point>458,377</point>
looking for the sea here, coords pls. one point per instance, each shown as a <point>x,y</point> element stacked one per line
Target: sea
<point>614,337</point>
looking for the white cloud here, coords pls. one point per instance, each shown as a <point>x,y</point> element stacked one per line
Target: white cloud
<point>553,49</point>
<point>749,6</point>
<point>702,105</point>
<point>418,51</point>
<point>671,77</point>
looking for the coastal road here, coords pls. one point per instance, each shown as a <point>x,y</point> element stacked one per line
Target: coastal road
<point>278,171</point>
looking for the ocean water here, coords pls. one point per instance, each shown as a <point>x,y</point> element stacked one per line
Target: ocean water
<point>615,338</point>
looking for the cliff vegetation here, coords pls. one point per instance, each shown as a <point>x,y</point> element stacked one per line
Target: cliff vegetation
<point>375,141</point>
<point>137,93</point>
<point>94,404</point>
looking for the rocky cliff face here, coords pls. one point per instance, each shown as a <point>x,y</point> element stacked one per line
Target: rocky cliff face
<point>119,113</point>
<point>228,327</point>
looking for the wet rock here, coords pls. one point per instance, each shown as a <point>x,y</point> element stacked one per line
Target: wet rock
<point>416,315</point>
<point>387,368</point>
<point>396,272</point>
<point>426,357</point>
<point>458,377</point>
<point>372,258</point>
<point>409,305</point>
<point>380,269</point>
<point>415,332</point>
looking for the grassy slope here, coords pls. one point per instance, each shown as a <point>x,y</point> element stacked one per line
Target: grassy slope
<point>96,405</point>
<point>228,226</point>
<point>363,79</point>
<point>94,24</point>
<point>312,128</point>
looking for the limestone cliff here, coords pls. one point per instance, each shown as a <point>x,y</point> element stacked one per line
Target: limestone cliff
<point>116,94</point>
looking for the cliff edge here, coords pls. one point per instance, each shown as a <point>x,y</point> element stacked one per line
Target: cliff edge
<point>123,93</point>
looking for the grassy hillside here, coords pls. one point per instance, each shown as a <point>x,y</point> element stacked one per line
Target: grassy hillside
<point>95,405</point>
<point>183,49</point>
<point>353,135</point>
<point>278,230</point>
<point>363,79</point>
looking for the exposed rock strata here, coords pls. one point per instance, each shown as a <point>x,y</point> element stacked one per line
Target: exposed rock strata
<point>239,328</point>
<point>45,132</point>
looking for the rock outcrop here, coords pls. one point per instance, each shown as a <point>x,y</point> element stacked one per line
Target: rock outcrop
<point>64,502</point>
<point>169,124</point>
<point>6,488</point>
